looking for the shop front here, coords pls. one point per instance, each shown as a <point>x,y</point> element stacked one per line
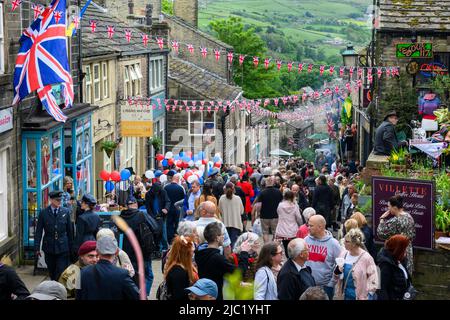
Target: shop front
<point>50,151</point>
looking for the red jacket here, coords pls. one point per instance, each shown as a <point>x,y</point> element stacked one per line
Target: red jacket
<point>248,190</point>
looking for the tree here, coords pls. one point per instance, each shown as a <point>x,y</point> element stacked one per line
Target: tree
<point>167,6</point>
<point>256,82</point>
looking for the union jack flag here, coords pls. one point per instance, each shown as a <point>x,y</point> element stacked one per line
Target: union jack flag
<point>42,60</point>
<point>145,39</point>
<point>241,59</point>
<point>160,42</point>
<point>76,21</point>
<point>175,46</point>
<point>230,57</point>
<point>37,10</point>
<point>204,52</point>
<point>217,54</point>
<point>93,25</point>
<point>300,67</point>
<point>266,63</point>
<point>15,4</point>
<point>255,61</point>
<point>128,35</point>
<point>190,48</point>
<point>110,30</point>
<point>279,62</point>
<point>289,66</point>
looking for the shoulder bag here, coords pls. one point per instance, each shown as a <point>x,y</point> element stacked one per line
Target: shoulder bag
<point>341,295</point>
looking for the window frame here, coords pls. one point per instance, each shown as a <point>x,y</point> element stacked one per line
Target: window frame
<point>126,82</point>
<point>97,81</point>
<point>202,122</point>
<point>156,73</point>
<point>88,84</point>
<point>104,76</point>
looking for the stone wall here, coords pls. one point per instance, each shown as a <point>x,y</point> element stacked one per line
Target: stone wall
<point>186,10</point>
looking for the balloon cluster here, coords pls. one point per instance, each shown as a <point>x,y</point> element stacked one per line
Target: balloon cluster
<point>115,176</point>
<point>187,159</point>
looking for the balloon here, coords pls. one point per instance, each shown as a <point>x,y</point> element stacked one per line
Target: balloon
<point>149,174</point>
<point>169,155</point>
<point>181,154</point>
<point>216,159</point>
<point>192,178</point>
<point>105,175</point>
<point>201,173</point>
<point>204,161</point>
<point>201,180</point>
<point>182,172</point>
<point>115,176</point>
<point>201,154</point>
<point>158,173</point>
<point>196,158</point>
<point>187,175</point>
<point>217,165</point>
<point>165,163</point>
<point>159,157</point>
<point>176,157</point>
<point>166,171</point>
<point>186,159</point>
<point>125,174</point>
<point>188,153</point>
<point>198,163</point>
<point>163,178</point>
<point>170,161</point>
<point>109,186</point>
<point>191,163</point>
<point>179,163</point>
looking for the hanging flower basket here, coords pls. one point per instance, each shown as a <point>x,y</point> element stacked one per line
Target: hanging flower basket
<point>109,147</point>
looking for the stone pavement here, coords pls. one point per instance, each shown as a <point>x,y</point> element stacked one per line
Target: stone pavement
<point>25,272</point>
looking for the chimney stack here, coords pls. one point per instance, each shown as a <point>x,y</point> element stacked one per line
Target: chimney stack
<point>186,10</point>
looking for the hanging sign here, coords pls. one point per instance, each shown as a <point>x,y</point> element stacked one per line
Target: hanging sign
<point>414,50</point>
<point>433,69</point>
<point>136,120</point>
<point>6,119</point>
<point>418,196</point>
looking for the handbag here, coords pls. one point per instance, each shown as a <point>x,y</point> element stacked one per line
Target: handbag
<point>341,295</point>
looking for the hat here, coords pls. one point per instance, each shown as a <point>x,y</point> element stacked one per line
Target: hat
<point>267,171</point>
<point>87,247</point>
<point>158,173</point>
<point>107,245</point>
<point>203,287</point>
<point>131,200</point>
<point>213,172</point>
<point>55,194</point>
<point>171,173</point>
<point>49,290</point>
<point>89,199</point>
<point>390,113</point>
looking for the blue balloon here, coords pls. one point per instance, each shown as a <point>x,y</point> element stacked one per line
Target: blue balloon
<point>109,186</point>
<point>186,159</point>
<point>216,159</point>
<point>165,163</point>
<point>196,158</point>
<point>125,174</point>
<point>176,157</point>
<point>200,180</point>
<point>181,154</point>
<point>201,155</point>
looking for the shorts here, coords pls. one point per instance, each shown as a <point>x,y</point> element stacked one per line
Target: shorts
<point>269,226</point>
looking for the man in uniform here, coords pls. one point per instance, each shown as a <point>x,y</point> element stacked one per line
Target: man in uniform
<point>58,235</point>
<point>87,255</point>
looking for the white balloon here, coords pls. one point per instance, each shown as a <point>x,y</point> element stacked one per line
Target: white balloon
<point>149,174</point>
<point>201,173</point>
<point>182,172</point>
<point>191,163</point>
<point>217,155</point>
<point>169,155</point>
<point>163,178</point>
<point>192,178</point>
<point>198,163</point>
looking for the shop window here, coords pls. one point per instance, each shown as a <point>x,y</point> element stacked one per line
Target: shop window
<point>105,84</point>
<point>2,42</point>
<point>4,194</point>
<point>202,123</point>
<point>88,95</point>
<point>96,73</point>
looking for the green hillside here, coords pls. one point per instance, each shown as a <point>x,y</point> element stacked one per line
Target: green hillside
<point>297,29</point>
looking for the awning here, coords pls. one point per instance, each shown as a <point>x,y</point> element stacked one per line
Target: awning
<point>281,153</point>
<point>319,136</point>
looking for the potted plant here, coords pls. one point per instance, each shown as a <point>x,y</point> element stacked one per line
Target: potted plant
<point>398,159</point>
<point>156,142</point>
<point>109,147</point>
<point>441,221</point>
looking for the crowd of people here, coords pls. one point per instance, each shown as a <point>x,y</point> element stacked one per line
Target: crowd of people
<point>295,232</point>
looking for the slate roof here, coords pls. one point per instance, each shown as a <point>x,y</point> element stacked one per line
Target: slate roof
<point>98,43</point>
<point>205,83</point>
<point>432,15</point>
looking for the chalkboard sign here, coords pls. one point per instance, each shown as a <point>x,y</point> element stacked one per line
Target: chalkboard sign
<point>419,198</point>
<point>414,50</point>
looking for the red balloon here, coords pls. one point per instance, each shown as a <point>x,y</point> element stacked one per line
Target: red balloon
<point>170,161</point>
<point>105,175</point>
<point>187,175</point>
<point>115,176</point>
<point>179,164</point>
<point>78,175</point>
<point>217,165</point>
<point>159,157</point>
<point>205,161</point>
<point>166,171</point>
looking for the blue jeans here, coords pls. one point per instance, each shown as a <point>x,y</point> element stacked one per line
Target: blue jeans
<point>163,245</point>
<point>148,272</point>
<point>329,291</point>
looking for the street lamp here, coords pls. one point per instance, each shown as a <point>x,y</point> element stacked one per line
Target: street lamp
<point>350,56</point>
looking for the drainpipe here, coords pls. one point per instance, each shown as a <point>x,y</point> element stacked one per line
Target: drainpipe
<point>80,69</point>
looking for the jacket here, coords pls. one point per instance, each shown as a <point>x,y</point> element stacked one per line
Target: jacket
<point>289,220</point>
<point>217,187</point>
<point>134,218</point>
<point>292,283</point>
<point>58,236</point>
<point>323,201</point>
<point>212,265</point>
<point>87,227</point>
<point>175,193</point>
<point>428,104</point>
<point>104,281</point>
<point>249,193</point>
<point>177,280</point>
<point>157,192</point>
<point>10,283</point>
<point>265,285</point>
<point>186,205</point>
<point>364,274</point>
<point>385,139</point>
<point>231,211</point>
<point>393,284</point>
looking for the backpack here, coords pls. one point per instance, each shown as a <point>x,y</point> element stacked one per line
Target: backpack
<point>147,239</point>
<point>163,292</point>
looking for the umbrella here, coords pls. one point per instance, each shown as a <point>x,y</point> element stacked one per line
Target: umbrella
<point>279,152</point>
<point>319,136</point>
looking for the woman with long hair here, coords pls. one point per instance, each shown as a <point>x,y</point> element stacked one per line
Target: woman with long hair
<point>395,278</point>
<point>179,272</point>
<point>207,195</point>
<point>367,231</point>
<point>269,258</point>
<point>360,277</point>
<point>231,208</point>
<point>289,219</point>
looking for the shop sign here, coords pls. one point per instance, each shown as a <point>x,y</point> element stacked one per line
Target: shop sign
<point>433,69</point>
<point>6,119</point>
<point>136,120</point>
<point>418,196</point>
<point>414,50</point>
